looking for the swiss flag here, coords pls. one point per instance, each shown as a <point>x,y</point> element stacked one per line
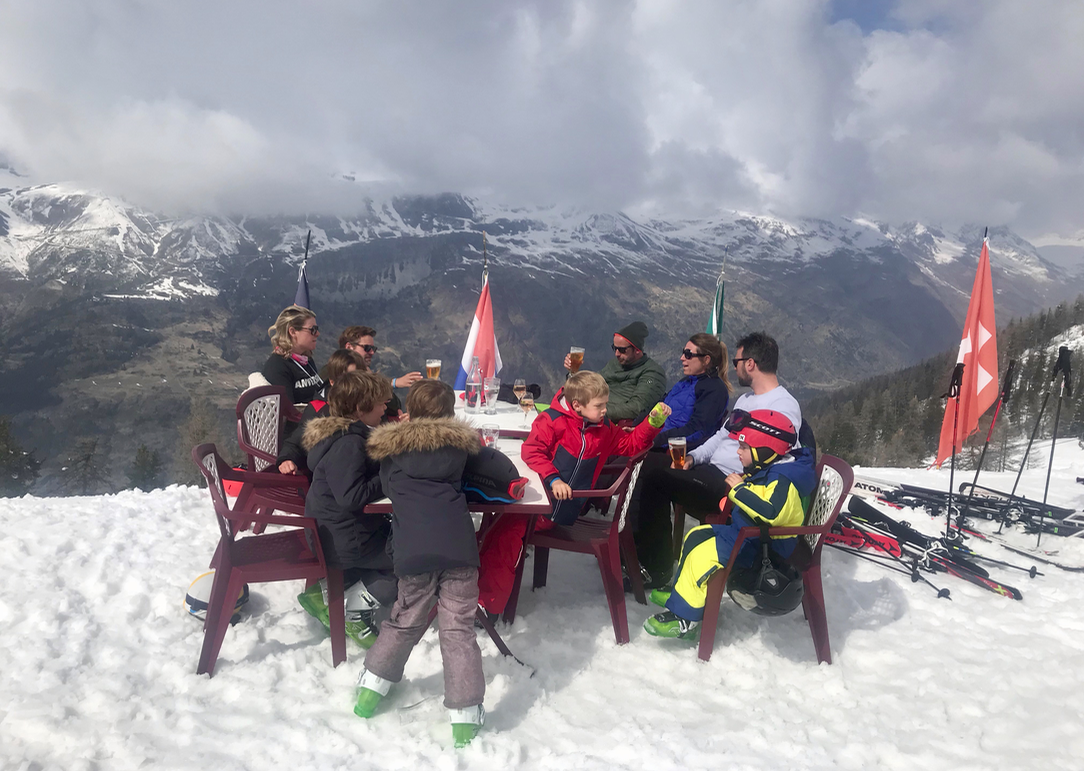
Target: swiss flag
<point>978,352</point>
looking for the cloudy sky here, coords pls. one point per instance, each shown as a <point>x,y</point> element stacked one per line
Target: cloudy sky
<point>937,110</point>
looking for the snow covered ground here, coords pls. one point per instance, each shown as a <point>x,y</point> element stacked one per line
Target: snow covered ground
<point>99,658</point>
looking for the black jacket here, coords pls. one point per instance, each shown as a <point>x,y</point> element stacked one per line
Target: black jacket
<point>344,480</point>
<point>301,381</point>
<point>421,468</point>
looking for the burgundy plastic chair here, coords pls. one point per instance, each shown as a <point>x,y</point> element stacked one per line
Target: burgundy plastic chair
<point>834,480</point>
<point>261,414</point>
<point>280,556</point>
<point>608,541</point>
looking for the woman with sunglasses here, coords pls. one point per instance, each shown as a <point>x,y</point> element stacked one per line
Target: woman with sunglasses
<point>290,364</point>
<point>698,405</point>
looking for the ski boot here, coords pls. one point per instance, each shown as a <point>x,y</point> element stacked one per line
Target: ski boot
<point>312,600</point>
<point>659,597</point>
<point>371,689</point>
<point>465,724</point>
<point>361,610</point>
<point>666,624</point>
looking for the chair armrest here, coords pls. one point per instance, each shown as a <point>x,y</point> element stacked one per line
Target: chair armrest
<point>265,479</point>
<point>287,520</point>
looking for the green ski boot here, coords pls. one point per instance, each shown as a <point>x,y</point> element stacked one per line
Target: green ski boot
<point>659,597</point>
<point>371,689</point>
<point>312,600</point>
<point>360,627</point>
<point>466,723</point>
<point>666,624</point>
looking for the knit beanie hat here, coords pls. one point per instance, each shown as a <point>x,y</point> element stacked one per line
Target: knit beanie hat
<point>635,333</point>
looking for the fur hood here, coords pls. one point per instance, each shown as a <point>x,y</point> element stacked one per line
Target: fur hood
<point>421,435</point>
<point>319,429</point>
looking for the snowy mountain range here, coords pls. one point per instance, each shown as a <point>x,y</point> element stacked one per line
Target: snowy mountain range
<point>116,319</point>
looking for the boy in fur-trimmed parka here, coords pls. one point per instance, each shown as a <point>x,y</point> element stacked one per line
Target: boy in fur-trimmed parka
<point>435,554</point>
<point>344,480</point>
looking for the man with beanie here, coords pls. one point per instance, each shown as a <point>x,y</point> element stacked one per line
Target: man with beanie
<point>636,381</point>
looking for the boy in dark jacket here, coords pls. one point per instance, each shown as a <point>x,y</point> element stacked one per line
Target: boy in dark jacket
<point>435,554</point>
<point>344,480</point>
<point>772,490</point>
<point>567,447</point>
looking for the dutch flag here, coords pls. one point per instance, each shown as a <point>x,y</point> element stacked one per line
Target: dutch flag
<point>481,342</point>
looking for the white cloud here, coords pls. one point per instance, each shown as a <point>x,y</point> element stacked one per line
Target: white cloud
<point>960,111</point>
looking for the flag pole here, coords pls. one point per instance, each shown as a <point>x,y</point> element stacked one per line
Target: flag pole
<point>485,260</point>
<point>301,296</point>
<point>953,393</point>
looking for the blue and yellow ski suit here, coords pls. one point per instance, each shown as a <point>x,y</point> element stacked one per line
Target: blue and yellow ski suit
<point>776,494</point>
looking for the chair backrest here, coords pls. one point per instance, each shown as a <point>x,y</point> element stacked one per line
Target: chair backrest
<point>621,515</point>
<point>834,480</point>
<point>260,418</point>
<point>212,467</point>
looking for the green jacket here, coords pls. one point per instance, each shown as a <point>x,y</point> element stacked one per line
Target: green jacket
<point>634,389</point>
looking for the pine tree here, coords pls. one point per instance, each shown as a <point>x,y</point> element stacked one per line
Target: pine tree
<point>85,475</point>
<point>201,426</point>
<point>18,467</point>
<point>146,471</point>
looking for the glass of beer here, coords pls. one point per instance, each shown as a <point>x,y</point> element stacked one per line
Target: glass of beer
<point>677,450</point>
<point>491,432</point>
<point>519,387</point>
<point>432,369</point>
<point>492,388</point>
<point>526,403</point>
<point>575,359</point>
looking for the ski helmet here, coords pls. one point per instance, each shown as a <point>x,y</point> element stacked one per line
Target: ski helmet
<point>763,428</point>
<point>771,588</point>
<point>198,596</point>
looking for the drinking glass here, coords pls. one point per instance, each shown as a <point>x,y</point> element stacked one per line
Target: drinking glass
<point>526,403</point>
<point>519,387</point>
<point>492,388</point>
<point>432,369</point>
<point>677,450</point>
<point>575,359</point>
<point>491,432</point>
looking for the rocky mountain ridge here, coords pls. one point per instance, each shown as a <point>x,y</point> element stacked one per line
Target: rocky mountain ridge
<point>116,320</point>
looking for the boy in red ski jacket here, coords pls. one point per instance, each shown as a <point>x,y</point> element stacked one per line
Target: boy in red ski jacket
<point>568,446</point>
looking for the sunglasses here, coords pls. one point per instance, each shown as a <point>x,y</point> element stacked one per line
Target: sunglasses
<point>690,355</point>
<point>622,349</point>
<point>744,358</point>
<point>367,348</point>
<point>314,330</point>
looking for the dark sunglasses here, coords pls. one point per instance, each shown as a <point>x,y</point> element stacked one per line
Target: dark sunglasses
<point>313,330</point>
<point>744,358</point>
<point>690,355</point>
<point>367,348</point>
<point>622,349</point>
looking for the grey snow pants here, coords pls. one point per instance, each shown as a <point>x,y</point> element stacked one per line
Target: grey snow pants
<point>456,593</point>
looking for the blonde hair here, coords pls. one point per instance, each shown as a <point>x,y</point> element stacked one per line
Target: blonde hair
<point>585,386</point>
<point>357,392</point>
<point>293,317</point>
<point>431,399</point>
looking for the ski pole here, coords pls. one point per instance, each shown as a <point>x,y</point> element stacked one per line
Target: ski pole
<point>1003,397</point>
<point>1063,366</point>
<point>953,393</point>
<point>1027,451</point>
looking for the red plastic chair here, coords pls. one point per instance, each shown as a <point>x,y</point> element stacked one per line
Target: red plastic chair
<point>280,556</point>
<point>261,414</point>
<point>834,480</point>
<point>608,541</point>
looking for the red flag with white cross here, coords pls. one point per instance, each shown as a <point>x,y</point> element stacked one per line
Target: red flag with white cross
<point>978,352</point>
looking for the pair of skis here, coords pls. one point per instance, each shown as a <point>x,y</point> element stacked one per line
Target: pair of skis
<point>910,550</point>
<point>1058,520</point>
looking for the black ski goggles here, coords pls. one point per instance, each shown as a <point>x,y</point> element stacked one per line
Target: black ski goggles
<point>740,420</point>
